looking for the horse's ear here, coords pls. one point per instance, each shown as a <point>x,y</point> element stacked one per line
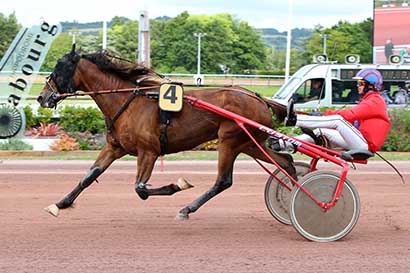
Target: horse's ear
<point>73,55</point>
<point>73,50</point>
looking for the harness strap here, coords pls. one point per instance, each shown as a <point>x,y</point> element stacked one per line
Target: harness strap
<point>164,122</point>
<point>124,107</point>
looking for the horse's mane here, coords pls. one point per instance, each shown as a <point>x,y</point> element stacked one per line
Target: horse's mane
<point>125,69</point>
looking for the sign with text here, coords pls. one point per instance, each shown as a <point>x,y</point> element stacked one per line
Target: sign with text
<point>22,61</point>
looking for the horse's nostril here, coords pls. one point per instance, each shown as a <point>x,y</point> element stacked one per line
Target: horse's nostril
<point>40,99</point>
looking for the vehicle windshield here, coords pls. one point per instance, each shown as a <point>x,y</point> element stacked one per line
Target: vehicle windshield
<point>291,85</point>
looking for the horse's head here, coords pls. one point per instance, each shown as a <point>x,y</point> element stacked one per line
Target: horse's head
<point>61,81</point>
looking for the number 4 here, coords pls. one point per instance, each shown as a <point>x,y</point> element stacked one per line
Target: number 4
<point>171,97</point>
<point>170,94</point>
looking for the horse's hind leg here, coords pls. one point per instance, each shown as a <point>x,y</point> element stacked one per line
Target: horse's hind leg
<point>107,155</point>
<point>283,159</point>
<point>146,161</point>
<point>227,156</point>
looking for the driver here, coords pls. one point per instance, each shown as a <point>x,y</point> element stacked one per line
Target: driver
<point>364,126</point>
<point>316,90</point>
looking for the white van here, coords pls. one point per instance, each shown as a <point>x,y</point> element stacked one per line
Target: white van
<point>338,89</point>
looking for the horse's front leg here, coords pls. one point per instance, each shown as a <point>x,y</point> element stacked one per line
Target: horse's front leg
<point>107,155</point>
<point>146,161</point>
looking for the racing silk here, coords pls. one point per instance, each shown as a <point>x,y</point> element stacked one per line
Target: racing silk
<point>371,113</point>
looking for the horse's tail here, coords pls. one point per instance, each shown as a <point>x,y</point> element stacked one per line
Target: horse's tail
<point>279,110</point>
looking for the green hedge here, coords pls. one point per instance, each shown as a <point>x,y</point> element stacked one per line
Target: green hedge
<point>79,119</point>
<point>398,138</point>
<point>70,118</point>
<point>15,144</point>
<point>44,115</point>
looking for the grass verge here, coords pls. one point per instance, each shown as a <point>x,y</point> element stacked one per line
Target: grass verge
<point>187,155</point>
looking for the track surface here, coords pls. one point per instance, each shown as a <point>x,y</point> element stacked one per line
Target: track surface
<point>111,230</point>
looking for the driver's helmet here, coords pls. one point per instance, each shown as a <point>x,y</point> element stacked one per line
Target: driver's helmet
<point>372,76</point>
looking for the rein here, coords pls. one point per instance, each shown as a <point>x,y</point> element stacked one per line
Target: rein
<point>109,91</point>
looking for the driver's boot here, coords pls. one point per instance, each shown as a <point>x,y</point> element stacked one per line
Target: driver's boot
<point>290,119</point>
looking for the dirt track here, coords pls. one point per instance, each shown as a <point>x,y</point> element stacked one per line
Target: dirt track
<point>112,230</point>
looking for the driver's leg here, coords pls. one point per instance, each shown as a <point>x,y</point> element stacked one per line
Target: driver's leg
<point>350,139</point>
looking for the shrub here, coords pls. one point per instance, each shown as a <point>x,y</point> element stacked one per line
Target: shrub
<point>15,144</point>
<point>31,120</point>
<point>78,119</point>
<point>65,143</point>
<point>398,138</point>
<point>89,141</point>
<point>51,129</point>
<point>44,115</point>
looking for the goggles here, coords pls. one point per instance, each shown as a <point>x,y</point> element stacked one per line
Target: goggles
<point>361,83</point>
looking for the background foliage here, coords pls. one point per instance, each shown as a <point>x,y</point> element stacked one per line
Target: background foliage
<point>8,30</point>
<point>229,42</point>
<point>398,138</point>
<point>79,119</point>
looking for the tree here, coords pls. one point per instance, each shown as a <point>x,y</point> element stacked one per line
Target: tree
<point>61,45</point>
<point>8,30</point>
<point>122,38</point>
<point>175,46</point>
<point>230,43</point>
<point>248,50</point>
<point>345,38</point>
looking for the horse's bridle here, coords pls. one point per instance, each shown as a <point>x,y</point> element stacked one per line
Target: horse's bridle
<point>52,94</point>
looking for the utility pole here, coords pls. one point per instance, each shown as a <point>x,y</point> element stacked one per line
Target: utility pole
<point>74,33</point>
<point>324,37</point>
<point>199,78</point>
<point>199,35</point>
<point>289,38</point>
<point>144,39</point>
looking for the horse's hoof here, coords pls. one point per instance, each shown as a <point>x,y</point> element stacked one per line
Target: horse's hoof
<point>181,216</point>
<point>184,184</point>
<point>53,210</point>
<point>142,191</point>
<point>143,194</point>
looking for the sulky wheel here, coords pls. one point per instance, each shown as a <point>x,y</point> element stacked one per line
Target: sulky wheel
<point>311,221</point>
<point>277,196</point>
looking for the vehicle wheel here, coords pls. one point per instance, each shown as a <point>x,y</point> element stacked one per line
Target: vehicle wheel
<point>311,221</point>
<point>277,197</point>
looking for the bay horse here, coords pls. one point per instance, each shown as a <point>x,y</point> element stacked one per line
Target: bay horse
<point>134,123</point>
